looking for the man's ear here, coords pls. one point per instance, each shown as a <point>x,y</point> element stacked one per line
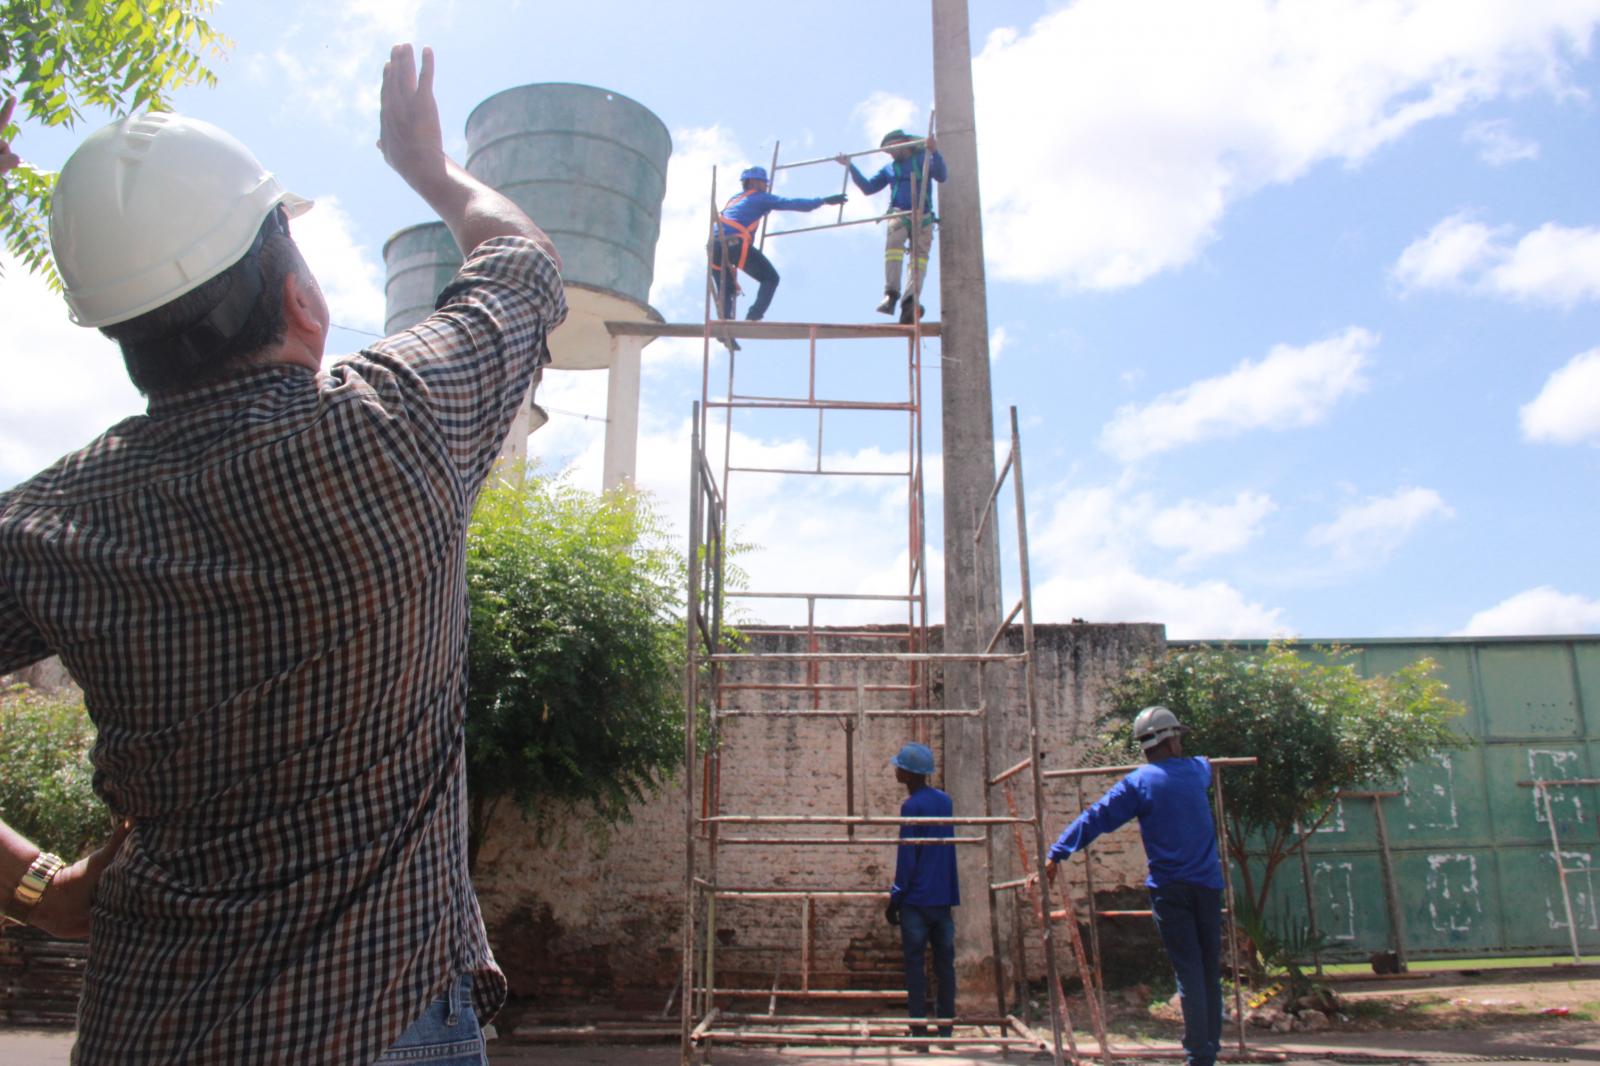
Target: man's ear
<point>305,312</point>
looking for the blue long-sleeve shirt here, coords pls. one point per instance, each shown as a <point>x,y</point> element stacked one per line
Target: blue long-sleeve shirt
<point>1169,799</point>
<point>748,208</point>
<point>904,176</point>
<point>925,874</point>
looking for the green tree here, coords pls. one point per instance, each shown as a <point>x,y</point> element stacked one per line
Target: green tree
<point>1316,727</point>
<point>576,652</point>
<point>63,58</point>
<point>45,775</point>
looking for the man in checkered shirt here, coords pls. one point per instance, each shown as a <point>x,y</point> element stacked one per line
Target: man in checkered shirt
<point>260,587</point>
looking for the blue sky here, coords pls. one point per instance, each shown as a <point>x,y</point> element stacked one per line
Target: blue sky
<point>1298,300</point>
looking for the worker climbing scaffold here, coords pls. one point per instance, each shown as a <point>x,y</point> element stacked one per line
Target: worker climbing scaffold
<point>733,245</point>
<point>911,217</point>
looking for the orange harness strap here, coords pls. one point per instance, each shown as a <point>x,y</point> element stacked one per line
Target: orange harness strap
<point>745,232</point>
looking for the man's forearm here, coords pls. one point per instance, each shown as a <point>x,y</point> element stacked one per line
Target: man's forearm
<point>474,212</point>
<point>17,853</point>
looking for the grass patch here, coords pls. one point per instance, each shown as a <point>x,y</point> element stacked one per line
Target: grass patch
<point>1436,965</point>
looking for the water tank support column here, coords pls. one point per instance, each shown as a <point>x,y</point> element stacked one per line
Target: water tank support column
<point>622,412</point>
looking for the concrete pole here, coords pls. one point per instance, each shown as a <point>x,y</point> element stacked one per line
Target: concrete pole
<point>622,412</point>
<point>971,610</point>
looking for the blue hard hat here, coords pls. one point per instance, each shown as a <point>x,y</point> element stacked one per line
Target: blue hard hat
<point>914,758</point>
<point>754,174</point>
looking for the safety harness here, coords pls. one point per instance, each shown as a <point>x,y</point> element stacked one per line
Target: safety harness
<point>745,231</point>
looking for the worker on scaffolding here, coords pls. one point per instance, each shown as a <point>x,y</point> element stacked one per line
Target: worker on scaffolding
<point>924,891</point>
<point>733,247</point>
<point>1168,796</point>
<point>911,163</point>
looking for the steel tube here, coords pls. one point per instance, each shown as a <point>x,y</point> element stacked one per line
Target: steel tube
<point>1100,771</point>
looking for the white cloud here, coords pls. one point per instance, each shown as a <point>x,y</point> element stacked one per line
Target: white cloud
<point>1371,530</point>
<point>64,384</point>
<point>882,112</point>
<point>337,78</point>
<point>350,274</point>
<point>1291,387</point>
<point>1163,112</point>
<point>1203,530</point>
<point>1497,145</point>
<point>1205,610</point>
<point>998,339</point>
<point>1541,610</point>
<point>1553,264</point>
<point>1099,533</point>
<point>1454,247</point>
<point>1567,409</point>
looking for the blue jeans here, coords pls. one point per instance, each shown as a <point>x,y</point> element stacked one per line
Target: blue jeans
<point>447,1033</point>
<point>920,927</point>
<point>1189,918</point>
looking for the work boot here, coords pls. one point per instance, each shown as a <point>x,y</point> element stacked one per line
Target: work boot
<point>886,305</point>
<point>753,315</point>
<point>906,315</point>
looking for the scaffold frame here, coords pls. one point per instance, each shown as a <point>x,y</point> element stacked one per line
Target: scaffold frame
<point>846,696</point>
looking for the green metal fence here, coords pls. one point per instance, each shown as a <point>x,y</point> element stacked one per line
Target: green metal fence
<point>1470,847</point>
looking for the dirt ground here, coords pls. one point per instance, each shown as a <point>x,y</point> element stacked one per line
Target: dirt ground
<point>1549,1015</point>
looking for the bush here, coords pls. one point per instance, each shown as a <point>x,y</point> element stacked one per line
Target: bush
<point>576,652</point>
<point>45,776</point>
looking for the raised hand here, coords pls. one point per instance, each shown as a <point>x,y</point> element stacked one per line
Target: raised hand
<point>409,135</point>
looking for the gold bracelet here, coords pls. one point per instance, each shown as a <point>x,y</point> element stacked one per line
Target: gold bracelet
<point>30,890</point>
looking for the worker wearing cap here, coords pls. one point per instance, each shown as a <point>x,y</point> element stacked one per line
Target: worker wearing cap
<point>912,163</point>
<point>925,890</point>
<point>259,585</point>
<point>1169,797</point>
<point>733,247</point>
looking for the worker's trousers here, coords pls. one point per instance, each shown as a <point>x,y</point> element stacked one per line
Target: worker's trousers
<point>724,272</point>
<point>920,929</point>
<point>1189,918</point>
<point>901,236</point>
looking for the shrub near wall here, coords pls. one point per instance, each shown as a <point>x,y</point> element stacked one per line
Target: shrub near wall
<point>45,776</point>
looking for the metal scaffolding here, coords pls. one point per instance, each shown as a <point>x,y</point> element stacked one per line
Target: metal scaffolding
<point>830,681</point>
<point>1542,787</point>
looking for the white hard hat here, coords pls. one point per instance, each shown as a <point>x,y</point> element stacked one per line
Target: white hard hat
<point>152,206</point>
<point>1155,724</point>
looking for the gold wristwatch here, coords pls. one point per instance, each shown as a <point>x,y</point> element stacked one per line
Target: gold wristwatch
<point>30,890</point>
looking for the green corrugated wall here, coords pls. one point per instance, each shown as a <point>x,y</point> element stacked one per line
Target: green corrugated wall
<point>1471,850</point>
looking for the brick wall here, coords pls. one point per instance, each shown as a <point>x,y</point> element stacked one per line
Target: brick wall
<point>597,914</point>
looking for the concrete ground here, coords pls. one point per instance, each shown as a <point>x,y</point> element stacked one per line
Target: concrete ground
<point>1577,1043</point>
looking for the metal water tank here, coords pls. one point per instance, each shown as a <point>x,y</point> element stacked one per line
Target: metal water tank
<point>589,166</point>
<point>419,262</point>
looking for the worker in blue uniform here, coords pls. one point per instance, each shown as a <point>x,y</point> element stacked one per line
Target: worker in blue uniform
<point>1168,796</point>
<point>733,248</point>
<point>911,164</point>
<point>924,892</point>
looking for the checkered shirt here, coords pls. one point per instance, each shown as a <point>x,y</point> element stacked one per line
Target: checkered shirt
<point>260,586</point>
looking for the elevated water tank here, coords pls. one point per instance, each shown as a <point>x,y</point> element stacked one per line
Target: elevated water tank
<point>589,166</point>
<point>419,262</point>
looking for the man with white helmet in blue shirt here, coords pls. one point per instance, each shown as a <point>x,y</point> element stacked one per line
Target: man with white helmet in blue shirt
<point>1169,797</point>
<point>924,891</point>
